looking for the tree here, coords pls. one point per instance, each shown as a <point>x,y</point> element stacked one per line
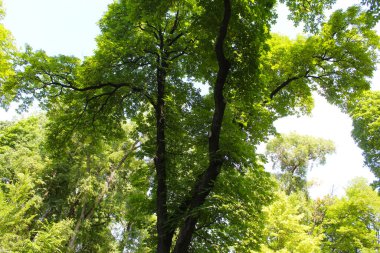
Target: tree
<point>288,227</point>
<point>351,224</point>
<point>330,224</point>
<point>85,182</point>
<point>365,113</point>
<point>150,56</point>
<point>21,192</point>
<point>6,50</point>
<point>69,197</point>
<point>292,155</point>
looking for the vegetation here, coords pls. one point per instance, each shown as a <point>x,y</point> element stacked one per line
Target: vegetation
<point>132,157</point>
<point>96,199</point>
<point>331,224</point>
<point>6,50</point>
<point>365,114</point>
<point>292,155</point>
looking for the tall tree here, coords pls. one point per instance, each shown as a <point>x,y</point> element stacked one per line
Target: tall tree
<point>293,155</point>
<point>150,56</point>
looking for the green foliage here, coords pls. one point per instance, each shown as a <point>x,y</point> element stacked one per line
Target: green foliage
<point>91,179</point>
<point>7,50</point>
<point>19,231</point>
<point>373,10</point>
<point>351,224</point>
<point>135,105</point>
<point>287,228</point>
<point>331,224</point>
<point>20,148</point>
<point>298,224</point>
<point>17,205</point>
<point>293,155</point>
<point>21,170</point>
<point>311,13</point>
<point>233,212</point>
<point>365,113</point>
<point>346,33</point>
<point>324,62</point>
<point>53,237</point>
<point>80,195</point>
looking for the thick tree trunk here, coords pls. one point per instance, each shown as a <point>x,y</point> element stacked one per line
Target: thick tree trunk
<point>206,181</point>
<point>164,240</point>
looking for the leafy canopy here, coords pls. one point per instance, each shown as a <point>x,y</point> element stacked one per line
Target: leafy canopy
<point>150,58</point>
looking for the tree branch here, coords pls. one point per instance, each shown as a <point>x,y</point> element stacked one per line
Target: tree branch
<point>154,32</point>
<point>283,85</point>
<point>173,40</point>
<point>88,88</point>
<point>176,23</point>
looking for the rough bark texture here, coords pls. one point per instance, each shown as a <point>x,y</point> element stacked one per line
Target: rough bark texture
<point>206,181</point>
<point>164,241</point>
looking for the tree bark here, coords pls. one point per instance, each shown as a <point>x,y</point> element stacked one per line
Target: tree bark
<point>71,246</point>
<point>164,240</point>
<point>206,181</point>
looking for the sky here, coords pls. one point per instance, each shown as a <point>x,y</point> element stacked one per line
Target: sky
<point>70,26</point>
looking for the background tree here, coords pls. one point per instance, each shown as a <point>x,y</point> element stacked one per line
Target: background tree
<point>352,223</point>
<point>71,195</point>
<point>293,155</point>
<point>331,224</point>
<point>288,227</point>
<point>22,165</point>
<point>6,50</point>
<point>365,113</point>
<point>99,183</point>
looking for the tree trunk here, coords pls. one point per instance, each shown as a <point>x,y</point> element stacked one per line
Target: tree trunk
<point>206,181</point>
<point>164,240</point>
<point>71,247</point>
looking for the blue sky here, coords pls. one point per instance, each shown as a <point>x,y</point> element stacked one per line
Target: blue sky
<point>69,27</point>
